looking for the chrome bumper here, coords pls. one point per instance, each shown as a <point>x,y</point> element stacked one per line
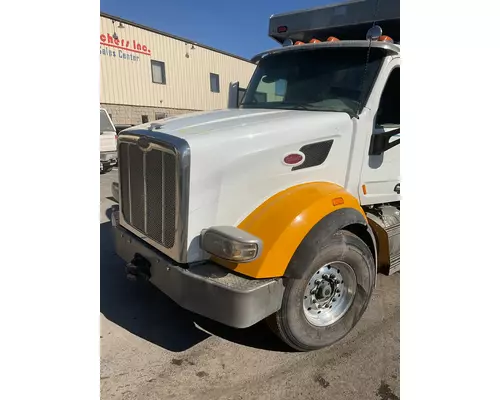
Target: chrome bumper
<point>204,288</point>
<point>109,156</point>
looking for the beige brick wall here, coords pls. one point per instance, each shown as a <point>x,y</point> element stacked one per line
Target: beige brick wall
<point>121,114</point>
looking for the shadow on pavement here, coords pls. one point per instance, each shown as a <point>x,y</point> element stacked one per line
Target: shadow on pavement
<point>145,311</point>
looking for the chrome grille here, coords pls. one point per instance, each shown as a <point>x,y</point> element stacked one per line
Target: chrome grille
<point>151,190</point>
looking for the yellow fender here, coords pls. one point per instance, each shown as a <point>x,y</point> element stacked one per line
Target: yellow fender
<point>283,221</point>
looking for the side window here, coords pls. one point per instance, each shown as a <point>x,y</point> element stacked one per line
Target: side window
<point>280,88</point>
<point>145,119</point>
<point>388,109</point>
<point>272,91</point>
<point>158,72</point>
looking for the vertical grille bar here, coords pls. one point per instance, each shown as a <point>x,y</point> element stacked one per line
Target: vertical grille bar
<point>170,194</point>
<point>124,180</point>
<point>137,203</point>
<point>129,185</point>
<point>144,175</point>
<point>154,184</point>
<point>163,198</point>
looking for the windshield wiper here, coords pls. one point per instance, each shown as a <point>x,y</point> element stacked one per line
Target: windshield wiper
<point>301,106</point>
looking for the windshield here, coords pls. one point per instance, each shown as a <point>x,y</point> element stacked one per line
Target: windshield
<point>322,79</point>
<point>106,125</point>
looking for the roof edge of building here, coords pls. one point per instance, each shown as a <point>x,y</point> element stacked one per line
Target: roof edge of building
<point>147,28</point>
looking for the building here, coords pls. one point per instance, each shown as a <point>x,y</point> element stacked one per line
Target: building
<point>147,74</point>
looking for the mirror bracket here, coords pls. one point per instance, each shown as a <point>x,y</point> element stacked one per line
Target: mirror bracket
<point>380,142</point>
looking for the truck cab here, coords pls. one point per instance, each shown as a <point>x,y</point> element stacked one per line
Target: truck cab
<point>284,206</point>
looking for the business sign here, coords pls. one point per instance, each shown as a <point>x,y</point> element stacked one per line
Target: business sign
<point>122,48</point>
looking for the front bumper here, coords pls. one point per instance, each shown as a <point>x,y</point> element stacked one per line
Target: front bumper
<point>109,156</point>
<point>203,288</point>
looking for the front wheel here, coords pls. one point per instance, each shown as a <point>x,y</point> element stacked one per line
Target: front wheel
<point>327,303</point>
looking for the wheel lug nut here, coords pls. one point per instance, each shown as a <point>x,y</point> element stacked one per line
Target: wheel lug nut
<point>317,281</point>
<point>338,290</point>
<point>314,301</point>
<point>325,276</point>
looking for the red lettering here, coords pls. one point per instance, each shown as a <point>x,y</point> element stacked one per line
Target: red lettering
<point>110,38</point>
<point>122,42</point>
<point>117,42</point>
<point>138,46</point>
<point>127,43</point>
<point>144,48</point>
<point>103,38</point>
<point>133,44</point>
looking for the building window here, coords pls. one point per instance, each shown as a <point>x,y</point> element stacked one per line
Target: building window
<point>145,119</point>
<point>159,116</point>
<point>214,83</point>
<point>158,72</point>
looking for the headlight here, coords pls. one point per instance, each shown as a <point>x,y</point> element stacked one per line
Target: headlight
<point>230,243</point>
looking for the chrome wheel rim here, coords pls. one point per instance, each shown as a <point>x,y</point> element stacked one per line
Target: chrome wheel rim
<point>329,293</point>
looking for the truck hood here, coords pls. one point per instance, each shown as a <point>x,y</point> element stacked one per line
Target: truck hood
<point>188,126</point>
<point>236,159</point>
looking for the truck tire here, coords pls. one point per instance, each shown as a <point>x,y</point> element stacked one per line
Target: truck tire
<point>322,307</point>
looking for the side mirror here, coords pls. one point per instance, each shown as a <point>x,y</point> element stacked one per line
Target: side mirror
<point>380,142</point>
<point>232,101</point>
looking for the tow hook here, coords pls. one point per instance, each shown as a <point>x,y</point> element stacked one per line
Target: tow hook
<point>138,267</point>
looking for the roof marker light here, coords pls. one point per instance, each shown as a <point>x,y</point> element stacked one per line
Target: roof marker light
<point>298,42</point>
<point>385,38</point>
<point>287,42</point>
<point>314,40</point>
<point>333,39</point>
<point>282,29</point>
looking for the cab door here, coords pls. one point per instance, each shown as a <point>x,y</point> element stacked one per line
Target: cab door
<point>380,173</point>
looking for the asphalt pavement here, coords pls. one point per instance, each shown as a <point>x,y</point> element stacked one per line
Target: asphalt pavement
<point>153,349</point>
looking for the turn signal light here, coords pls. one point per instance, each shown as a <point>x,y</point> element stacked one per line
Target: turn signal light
<point>337,201</point>
<point>230,243</point>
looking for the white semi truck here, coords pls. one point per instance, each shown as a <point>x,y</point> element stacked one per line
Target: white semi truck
<point>285,206</point>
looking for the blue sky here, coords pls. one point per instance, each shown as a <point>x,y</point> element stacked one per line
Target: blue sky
<point>231,25</point>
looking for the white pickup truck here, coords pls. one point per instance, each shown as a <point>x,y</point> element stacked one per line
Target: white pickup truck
<point>107,143</point>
